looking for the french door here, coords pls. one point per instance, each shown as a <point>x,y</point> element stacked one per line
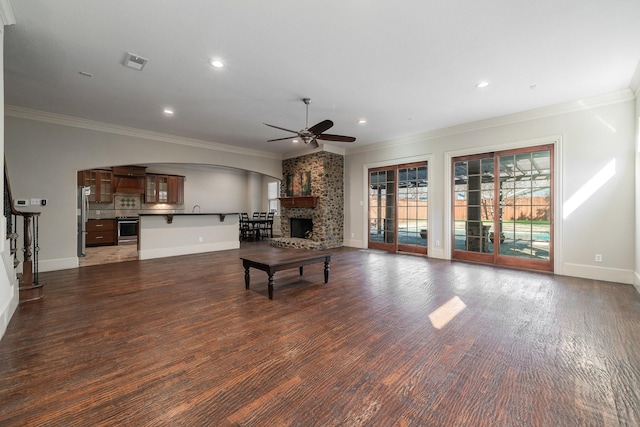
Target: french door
<point>398,203</point>
<point>502,208</point>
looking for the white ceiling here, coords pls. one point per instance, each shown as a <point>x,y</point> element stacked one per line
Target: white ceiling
<point>407,67</point>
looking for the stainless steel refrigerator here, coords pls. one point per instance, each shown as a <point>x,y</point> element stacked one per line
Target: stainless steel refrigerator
<point>83,211</point>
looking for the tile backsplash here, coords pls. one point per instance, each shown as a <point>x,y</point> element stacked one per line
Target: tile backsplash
<point>129,205</point>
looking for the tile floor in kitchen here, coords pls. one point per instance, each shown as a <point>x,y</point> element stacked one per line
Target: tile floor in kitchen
<point>109,254</point>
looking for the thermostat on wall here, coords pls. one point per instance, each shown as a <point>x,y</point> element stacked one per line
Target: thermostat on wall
<point>21,203</point>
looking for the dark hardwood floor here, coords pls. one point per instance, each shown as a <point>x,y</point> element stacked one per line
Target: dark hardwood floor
<point>179,341</point>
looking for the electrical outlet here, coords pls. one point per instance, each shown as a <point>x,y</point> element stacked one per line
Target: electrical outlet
<point>437,243</point>
<point>353,235</point>
<point>598,257</point>
<point>200,239</point>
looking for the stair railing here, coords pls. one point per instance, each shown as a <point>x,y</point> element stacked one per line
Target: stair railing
<point>30,288</point>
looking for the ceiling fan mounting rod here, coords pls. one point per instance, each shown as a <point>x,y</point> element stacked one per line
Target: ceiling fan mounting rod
<point>307,101</point>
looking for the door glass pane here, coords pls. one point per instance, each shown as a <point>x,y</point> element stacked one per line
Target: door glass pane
<point>412,206</point>
<point>525,204</point>
<point>382,206</point>
<point>105,186</point>
<point>163,189</point>
<point>473,193</point>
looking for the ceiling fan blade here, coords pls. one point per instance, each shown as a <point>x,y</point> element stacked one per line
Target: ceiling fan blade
<point>278,127</point>
<point>337,138</point>
<point>280,139</point>
<point>313,143</point>
<point>317,129</point>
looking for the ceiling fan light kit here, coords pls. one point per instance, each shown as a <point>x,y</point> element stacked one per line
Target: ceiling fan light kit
<point>310,135</point>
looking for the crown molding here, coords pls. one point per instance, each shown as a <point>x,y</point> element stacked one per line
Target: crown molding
<point>6,13</point>
<point>538,113</point>
<point>62,120</point>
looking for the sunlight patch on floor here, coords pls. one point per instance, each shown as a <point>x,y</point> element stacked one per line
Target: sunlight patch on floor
<point>446,312</point>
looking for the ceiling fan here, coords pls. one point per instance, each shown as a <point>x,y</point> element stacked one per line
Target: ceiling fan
<point>310,135</point>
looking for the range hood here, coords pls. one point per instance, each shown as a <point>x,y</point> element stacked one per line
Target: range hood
<point>129,185</point>
<point>129,179</point>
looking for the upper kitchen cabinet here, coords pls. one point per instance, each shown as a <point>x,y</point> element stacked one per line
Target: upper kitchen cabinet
<point>175,193</point>
<point>167,189</point>
<point>100,182</point>
<point>133,171</point>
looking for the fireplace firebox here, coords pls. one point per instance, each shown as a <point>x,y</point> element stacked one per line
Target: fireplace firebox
<point>301,227</point>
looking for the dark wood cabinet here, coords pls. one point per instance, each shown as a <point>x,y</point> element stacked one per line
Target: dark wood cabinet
<point>164,189</point>
<point>102,232</point>
<point>175,190</point>
<point>100,182</point>
<point>133,171</point>
<point>151,189</point>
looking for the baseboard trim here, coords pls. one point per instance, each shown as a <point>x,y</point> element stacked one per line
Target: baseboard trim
<point>58,264</point>
<point>8,310</point>
<point>599,273</point>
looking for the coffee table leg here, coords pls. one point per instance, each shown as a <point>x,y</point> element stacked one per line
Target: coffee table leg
<point>301,270</point>
<point>270,286</point>
<point>246,277</point>
<point>326,271</point>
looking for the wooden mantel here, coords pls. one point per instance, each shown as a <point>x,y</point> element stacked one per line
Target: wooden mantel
<point>299,202</point>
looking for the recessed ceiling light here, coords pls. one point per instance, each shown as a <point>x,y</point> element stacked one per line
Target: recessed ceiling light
<point>168,111</point>
<point>295,141</point>
<point>216,63</point>
<point>480,85</point>
<point>362,121</point>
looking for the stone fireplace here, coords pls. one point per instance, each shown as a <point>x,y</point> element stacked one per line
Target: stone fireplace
<point>327,217</point>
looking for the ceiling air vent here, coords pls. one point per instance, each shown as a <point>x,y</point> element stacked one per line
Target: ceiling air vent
<point>134,61</point>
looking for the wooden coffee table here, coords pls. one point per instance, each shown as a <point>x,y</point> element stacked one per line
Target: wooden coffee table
<point>272,262</point>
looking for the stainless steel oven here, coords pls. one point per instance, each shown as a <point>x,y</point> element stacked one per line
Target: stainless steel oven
<point>127,229</point>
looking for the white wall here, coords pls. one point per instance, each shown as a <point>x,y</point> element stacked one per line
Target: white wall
<point>8,287</point>
<point>636,280</point>
<point>43,157</point>
<point>186,234</point>
<point>590,134</point>
<point>211,187</point>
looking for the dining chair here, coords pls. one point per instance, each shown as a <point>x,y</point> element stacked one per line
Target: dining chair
<point>246,229</point>
<point>269,224</point>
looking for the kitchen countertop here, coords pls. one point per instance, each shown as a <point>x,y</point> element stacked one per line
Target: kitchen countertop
<point>188,213</point>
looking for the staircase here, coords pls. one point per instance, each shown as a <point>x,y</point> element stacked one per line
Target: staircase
<point>29,287</point>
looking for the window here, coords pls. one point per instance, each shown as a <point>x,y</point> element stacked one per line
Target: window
<point>273,194</point>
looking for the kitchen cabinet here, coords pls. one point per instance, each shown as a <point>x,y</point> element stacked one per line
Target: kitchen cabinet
<point>151,189</point>
<point>175,190</point>
<point>100,181</point>
<point>132,171</point>
<point>102,232</point>
<point>167,189</point>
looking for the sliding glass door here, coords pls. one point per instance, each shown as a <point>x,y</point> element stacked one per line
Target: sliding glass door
<point>382,209</point>
<point>505,220</point>
<point>412,205</point>
<point>398,203</point>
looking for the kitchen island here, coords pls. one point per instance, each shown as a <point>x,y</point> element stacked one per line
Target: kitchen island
<point>171,234</point>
